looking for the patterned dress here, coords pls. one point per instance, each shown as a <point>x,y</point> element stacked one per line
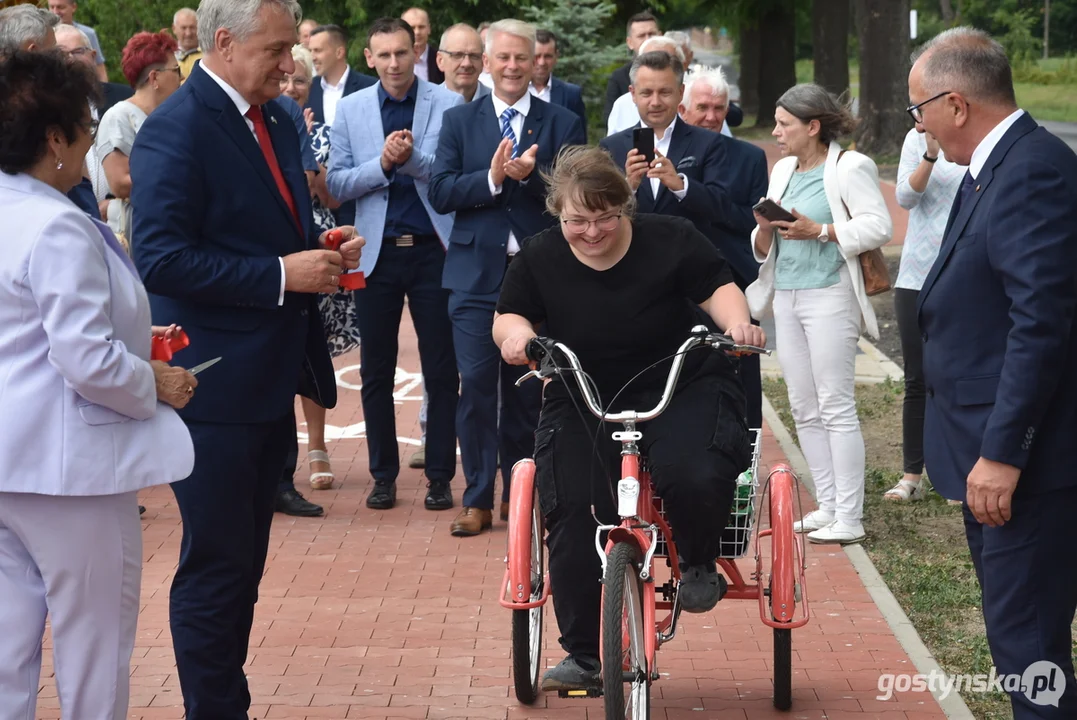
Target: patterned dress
<point>338,309</point>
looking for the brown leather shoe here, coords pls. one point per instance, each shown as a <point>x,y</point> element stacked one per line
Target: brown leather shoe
<point>504,512</point>
<point>472,521</point>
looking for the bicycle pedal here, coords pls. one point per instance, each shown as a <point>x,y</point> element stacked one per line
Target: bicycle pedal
<point>582,694</point>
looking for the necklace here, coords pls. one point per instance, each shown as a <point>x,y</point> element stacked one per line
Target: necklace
<point>801,168</point>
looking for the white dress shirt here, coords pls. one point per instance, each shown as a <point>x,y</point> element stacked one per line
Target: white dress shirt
<point>331,95</point>
<point>544,93</point>
<point>522,106</point>
<point>625,114</point>
<point>662,146</point>
<point>243,106</point>
<point>486,79</point>
<point>422,65</point>
<point>987,145</point>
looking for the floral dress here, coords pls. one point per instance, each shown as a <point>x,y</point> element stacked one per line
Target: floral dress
<point>338,309</point>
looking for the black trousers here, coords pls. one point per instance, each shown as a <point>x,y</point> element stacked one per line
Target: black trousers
<point>291,460</point>
<point>412,272</point>
<point>695,451</point>
<point>227,508</point>
<point>912,411</point>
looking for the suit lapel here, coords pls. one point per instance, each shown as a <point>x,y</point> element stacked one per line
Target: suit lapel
<point>489,124</point>
<point>958,221</point>
<point>678,144</point>
<point>532,127</point>
<point>421,116</point>
<point>373,116</point>
<point>294,177</point>
<point>557,92</point>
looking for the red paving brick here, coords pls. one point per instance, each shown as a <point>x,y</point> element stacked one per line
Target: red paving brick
<point>370,615</point>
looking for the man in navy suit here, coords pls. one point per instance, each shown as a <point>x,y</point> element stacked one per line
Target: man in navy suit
<point>223,238</point>
<point>1000,348</point>
<point>742,170</point>
<point>487,170</point>
<point>554,90</point>
<point>426,64</point>
<point>382,152</point>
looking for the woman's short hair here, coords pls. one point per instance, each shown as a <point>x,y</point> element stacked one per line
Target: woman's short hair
<point>143,53</point>
<point>809,101</point>
<point>304,58</point>
<point>239,17</point>
<point>589,178</point>
<point>40,91</point>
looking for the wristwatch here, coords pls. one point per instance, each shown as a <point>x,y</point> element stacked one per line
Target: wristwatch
<point>929,159</point>
<point>824,234</point>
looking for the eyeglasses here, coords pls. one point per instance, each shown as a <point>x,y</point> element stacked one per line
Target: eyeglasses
<point>916,113</point>
<point>580,226</point>
<point>91,128</point>
<point>295,81</point>
<point>79,52</point>
<point>459,56</point>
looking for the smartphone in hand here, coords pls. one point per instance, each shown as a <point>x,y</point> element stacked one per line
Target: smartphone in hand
<point>773,211</point>
<point>643,141</point>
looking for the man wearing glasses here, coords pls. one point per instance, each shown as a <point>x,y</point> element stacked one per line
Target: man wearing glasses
<point>77,46</point>
<point>459,57</point>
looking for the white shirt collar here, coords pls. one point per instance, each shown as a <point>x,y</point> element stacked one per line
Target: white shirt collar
<point>339,87</point>
<point>522,106</point>
<point>987,145</point>
<point>426,53</point>
<point>665,135</point>
<point>242,105</point>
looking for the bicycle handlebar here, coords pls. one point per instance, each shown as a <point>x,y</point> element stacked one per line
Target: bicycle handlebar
<point>540,350</point>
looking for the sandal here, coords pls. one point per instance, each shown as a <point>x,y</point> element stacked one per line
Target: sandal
<point>320,480</point>
<point>906,491</point>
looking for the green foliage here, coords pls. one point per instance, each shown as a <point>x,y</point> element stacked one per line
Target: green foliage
<point>585,58</point>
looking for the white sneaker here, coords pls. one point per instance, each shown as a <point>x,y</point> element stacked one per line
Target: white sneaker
<point>814,520</point>
<point>838,533</point>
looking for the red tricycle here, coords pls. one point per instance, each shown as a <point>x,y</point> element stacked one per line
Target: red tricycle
<point>631,599</point>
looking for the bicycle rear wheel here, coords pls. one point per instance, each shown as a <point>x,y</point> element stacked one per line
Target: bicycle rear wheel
<point>624,655</point>
<point>527,624</point>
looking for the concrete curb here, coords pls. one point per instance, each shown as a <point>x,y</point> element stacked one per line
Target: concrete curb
<point>952,705</point>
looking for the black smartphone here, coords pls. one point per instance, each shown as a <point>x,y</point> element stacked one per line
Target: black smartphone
<point>643,141</point>
<point>773,211</point>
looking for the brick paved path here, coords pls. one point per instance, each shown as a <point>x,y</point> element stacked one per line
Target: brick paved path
<point>369,614</point>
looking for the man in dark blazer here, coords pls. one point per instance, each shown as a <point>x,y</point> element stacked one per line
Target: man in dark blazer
<point>549,88</point>
<point>426,60</point>
<point>1000,347</point>
<point>742,172</point>
<point>224,241</point>
<point>487,170</point>
<point>641,26</point>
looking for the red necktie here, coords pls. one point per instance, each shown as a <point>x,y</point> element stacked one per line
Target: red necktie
<point>254,114</point>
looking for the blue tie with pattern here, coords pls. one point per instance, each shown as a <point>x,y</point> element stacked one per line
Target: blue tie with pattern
<point>506,128</point>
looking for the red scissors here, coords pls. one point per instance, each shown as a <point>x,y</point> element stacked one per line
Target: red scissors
<point>352,280</point>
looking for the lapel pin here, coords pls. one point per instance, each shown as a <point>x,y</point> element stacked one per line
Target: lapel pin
<point>274,121</point>
<point>528,132</point>
<point>977,188</point>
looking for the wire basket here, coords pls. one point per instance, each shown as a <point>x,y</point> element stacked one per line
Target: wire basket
<point>737,536</point>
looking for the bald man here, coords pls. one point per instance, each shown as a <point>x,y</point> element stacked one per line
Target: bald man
<point>426,65</point>
<point>185,28</point>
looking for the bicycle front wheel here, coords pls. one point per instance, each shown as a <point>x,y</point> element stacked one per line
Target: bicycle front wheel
<point>624,655</point>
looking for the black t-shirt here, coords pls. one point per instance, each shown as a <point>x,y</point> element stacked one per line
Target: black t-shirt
<point>621,320</point>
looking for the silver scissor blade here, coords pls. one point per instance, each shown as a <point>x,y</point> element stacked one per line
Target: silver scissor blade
<point>207,364</point>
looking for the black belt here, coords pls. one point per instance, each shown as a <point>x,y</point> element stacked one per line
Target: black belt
<point>410,240</point>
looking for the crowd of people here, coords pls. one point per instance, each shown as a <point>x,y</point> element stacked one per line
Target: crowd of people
<point>458,180</point>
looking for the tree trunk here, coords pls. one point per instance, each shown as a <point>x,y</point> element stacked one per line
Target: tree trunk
<point>947,9</point>
<point>883,29</point>
<point>830,44</point>
<point>777,62</point>
<point>749,69</point>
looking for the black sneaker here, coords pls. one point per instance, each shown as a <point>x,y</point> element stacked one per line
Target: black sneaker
<point>438,496</point>
<point>701,587</point>
<point>382,497</point>
<point>576,672</point>
<point>290,502</point>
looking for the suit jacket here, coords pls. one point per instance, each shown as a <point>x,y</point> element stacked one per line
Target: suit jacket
<point>356,81</point>
<point>209,228</point>
<point>470,134</point>
<point>698,155</point>
<point>355,171</point>
<point>742,172</point>
<point>306,150</point>
<point>79,401</point>
<point>569,95</point>
<point>616,86</point>
<point>996,315</point>
<point>113,93</point>
<point>433,72</point>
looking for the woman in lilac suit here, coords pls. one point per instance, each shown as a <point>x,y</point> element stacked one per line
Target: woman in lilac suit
<point>87,418</point>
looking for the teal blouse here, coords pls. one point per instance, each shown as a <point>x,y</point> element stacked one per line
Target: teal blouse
<point>807,264</point>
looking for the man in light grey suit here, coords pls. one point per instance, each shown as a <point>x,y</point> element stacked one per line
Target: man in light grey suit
<point>460,58</point>
<point>383,144</point>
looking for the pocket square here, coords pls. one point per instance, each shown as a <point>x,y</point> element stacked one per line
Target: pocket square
<point>687,162</point>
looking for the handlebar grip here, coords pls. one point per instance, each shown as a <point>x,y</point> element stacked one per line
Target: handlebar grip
<point>538,348</point>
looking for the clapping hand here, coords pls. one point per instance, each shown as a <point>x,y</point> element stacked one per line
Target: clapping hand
<point>308,117</point>
<point>520,168</point>
<point>803,229</point>
<point>663,170</point>
<point>498,162</point>
<point>397,149</point>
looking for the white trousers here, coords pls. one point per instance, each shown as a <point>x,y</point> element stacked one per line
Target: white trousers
<point>77,560</point>
<point>816,336</point>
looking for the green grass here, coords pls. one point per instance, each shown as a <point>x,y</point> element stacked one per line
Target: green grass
<point>1048,102</point>
<point>918,548</point>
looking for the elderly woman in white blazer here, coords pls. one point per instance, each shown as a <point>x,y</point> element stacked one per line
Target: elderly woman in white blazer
<point>82,422</point>
<point>811,277</point>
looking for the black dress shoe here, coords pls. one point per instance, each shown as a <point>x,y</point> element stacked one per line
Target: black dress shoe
<point>290,502</point>
<point>438,496</point>
<point>382,497</point>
